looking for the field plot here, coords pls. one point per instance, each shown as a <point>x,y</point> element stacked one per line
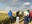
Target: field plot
<point>3,16</point>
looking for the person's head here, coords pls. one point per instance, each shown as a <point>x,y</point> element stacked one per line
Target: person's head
<point>27,10</point>
<point>18,11</point>
<point>9,10</point>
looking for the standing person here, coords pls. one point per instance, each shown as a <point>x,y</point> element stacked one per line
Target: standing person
<point>10,15</point>
<point>26,17</point>
<point>17,17</point>
<point>30,15</point>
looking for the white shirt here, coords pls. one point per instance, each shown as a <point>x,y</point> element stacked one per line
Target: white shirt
<point>26,13</point>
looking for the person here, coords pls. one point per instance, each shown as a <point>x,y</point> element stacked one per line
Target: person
<point>28,11</point>
<point>17,17</point>
<point>10,16</point>
<point>26,14</point>
<point>30,15</point>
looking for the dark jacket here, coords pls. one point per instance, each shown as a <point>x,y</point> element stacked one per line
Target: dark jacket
<point>17,13</point>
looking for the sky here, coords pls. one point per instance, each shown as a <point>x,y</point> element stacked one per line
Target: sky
<point>15,5</point>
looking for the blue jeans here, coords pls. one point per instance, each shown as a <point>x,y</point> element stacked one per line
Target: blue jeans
<point>30,19</point>
<point>26,20</point>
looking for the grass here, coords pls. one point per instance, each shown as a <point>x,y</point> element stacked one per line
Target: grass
<point>4,16</point>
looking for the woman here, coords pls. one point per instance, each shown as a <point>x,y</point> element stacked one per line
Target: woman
<point>17,17</point>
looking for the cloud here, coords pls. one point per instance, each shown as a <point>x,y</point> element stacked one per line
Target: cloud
<point>26,3</point>
<point>14,5</point>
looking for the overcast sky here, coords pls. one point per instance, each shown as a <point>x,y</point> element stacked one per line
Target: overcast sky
<point>14,5</point>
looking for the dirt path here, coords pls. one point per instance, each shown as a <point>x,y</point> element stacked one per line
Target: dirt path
<point>23,22</point>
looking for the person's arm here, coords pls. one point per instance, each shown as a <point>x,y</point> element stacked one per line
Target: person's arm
<point>21,20</point>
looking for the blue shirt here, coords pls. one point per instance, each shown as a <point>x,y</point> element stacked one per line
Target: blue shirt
<point>10,13</point>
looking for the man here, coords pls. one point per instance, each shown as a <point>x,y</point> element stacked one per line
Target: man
<point>30,15</point>
<point>26,14</point>
<point>17,17</point>
<point>10,15</point>
<point>17,13</point>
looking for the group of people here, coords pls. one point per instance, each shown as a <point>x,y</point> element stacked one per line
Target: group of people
<point>11,17</point>
<point>27,16</point>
